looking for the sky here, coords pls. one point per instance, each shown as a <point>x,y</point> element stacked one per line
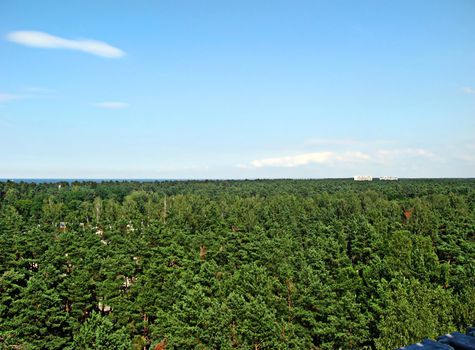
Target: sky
<point>183,89</point>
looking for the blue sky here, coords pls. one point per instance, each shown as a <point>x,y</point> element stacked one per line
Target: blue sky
<point>237,89</point>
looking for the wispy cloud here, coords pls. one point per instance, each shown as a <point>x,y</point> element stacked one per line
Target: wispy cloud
<point>346,142</point>
<point>345,158</point>
<point>112,105</point>
<point>466,153</point>
<point>331,142</point>
<point>390,155</point>
<point>312,158</point>
<point>38,90</point>
<point>466,157</point>
<point>26,93</point>
<point>6,97</point>
<point>48,41</point>
<point>413,152</point>
<point>469,90</point>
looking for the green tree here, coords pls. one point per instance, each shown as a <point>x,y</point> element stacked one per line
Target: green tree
<point>98,333</point>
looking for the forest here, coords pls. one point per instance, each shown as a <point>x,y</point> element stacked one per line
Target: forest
<point>251,264</point>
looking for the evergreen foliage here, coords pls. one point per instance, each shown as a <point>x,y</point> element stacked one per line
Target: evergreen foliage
<point>264,264</point>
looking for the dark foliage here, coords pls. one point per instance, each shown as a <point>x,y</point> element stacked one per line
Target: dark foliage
<point>264,264</point>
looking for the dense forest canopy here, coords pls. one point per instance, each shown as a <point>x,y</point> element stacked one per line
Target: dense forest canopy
<point>263,264</point>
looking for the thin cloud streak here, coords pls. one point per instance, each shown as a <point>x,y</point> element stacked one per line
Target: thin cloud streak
<point>466,157</point>
<point>382,156</point>
<point>48,41</point>
<point>388,156</point>
<point>38,90</point>
<point>112,105</point>
<point>346,142</point>
<point>27,93</point>
<point>311,158</point>
<point>6,97</point>
<point>331,142</point>
<point>468,90</point>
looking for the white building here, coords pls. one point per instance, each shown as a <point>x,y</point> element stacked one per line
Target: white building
<point>388,178</point>
<point>363,178</point>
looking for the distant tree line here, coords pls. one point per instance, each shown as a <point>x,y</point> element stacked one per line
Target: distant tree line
<point>263,264</point>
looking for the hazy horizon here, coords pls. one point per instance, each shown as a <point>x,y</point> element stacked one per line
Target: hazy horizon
<point>54,180</point>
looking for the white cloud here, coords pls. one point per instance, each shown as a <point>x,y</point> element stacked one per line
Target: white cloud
<point>112,105</point>
<point>466,153</point>
<point>26,93</point>
<point>48,41</point>
<point>38,90</point>
<point>5,97</point>
<point>331,142</point>
<point>466,157</point>
<point>312,158</point>
<point>347,142</point>
<point>381,157</point>
<point>469,90</point>
<point>389,155</point>
<point>353,157</point>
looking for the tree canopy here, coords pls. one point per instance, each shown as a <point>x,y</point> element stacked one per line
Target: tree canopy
<point>262,264</point>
